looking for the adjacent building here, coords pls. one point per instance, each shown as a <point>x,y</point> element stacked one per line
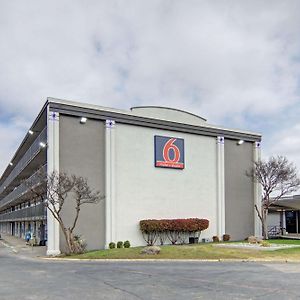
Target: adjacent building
<point>149,162</point>
<point>284,216</point>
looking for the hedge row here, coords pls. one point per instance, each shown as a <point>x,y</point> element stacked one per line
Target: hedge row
<point>175,229</point>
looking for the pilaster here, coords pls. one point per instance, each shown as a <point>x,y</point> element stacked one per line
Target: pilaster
<point>220,187</point>
<point>257,192</point>
<point>110,234</point>
<point>52,165</point>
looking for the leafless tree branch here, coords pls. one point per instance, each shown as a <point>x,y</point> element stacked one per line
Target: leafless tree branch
<point>277,177</point>
<point>57,188</point>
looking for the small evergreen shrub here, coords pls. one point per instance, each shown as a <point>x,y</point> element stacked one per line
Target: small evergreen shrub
<point>226,237</point>
<point>216,239</point>
<point>112,245</point>
<point>126,244</point>
<point>119,244</point>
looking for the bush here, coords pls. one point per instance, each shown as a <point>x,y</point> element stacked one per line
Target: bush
<point>126,244</point>
<point>226,237</point>
<point>174,229</point>
<point>119,244</point>
<point>216,239</point>
<point>79,244</point>
<point>112,245</point>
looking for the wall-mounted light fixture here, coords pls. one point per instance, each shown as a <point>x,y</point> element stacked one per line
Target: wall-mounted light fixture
<point>11,164</point>
<point>83,120</point>
<point>30,132</point>
<point>42,144</point>
<point>240,142</point>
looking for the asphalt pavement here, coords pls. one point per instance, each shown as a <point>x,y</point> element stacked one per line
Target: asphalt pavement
<point>29,277</point>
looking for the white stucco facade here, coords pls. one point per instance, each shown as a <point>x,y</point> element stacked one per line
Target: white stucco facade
<point>145,192</point>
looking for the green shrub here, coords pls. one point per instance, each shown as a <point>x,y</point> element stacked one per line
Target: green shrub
<point>226,237</point>
<point>119,244</point>
<point>216,239</point>
<point>126,244</point>
<point>112,245</point>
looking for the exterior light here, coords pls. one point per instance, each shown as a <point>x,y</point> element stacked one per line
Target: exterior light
<point>11,164</point>
<point>83,120</point>
<point>240,142</point>
<point>42,144</point>
<point>30,132</point>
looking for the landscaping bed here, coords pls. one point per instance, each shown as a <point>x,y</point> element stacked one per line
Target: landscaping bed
<point>260,247</point>
<point>200,251</point>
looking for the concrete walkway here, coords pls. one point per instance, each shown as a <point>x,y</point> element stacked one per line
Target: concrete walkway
<point>290,236</point>
<point>19,247</point>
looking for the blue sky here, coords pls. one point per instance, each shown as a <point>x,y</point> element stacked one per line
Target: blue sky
<point>236,63</point>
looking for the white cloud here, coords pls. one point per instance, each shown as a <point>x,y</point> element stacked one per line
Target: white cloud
<point>11,134</point>
<point>286,142</point>
<point>224,60</point>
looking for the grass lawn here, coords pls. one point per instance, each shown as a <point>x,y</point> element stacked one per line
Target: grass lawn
<point>198,251</point>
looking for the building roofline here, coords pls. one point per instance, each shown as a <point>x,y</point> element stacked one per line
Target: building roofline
<point>9,168</point>
<point>127,117</point>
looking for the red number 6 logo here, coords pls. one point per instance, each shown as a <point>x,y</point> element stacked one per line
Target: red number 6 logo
<point>166,151</point>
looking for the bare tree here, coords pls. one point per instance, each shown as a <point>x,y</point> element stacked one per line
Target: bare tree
<point>277,177</point>
<point>59,187</point>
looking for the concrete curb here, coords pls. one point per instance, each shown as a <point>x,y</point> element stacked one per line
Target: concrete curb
<point>169,260</point>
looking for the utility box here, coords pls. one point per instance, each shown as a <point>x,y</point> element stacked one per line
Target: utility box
<point>193,240</point>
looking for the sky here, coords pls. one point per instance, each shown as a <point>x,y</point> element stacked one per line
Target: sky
<point>235,63</point>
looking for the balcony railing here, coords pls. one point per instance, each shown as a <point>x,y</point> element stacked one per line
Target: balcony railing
<point>28,156</point>
<point>36,212</point>
<point>23,188</point>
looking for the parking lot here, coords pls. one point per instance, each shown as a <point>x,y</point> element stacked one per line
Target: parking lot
<point>24,277</point>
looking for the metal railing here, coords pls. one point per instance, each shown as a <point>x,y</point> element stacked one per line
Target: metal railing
<point>35,212</point>
<point>275,230</point>
<point>27,157</point>
<point>23,188</point>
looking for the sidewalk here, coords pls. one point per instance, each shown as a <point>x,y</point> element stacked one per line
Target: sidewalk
<point>19,247</point>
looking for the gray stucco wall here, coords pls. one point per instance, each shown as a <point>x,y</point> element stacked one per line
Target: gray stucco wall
<point>81,152</point>
<point>239,191</point>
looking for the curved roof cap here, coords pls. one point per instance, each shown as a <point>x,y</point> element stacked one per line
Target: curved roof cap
<point>169,114</point>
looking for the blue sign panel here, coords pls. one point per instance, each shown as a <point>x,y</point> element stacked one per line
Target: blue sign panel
<point>169,152</point>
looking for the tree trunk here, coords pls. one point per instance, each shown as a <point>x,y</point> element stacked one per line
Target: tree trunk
<point>264,223</point>
<point>68,240</point>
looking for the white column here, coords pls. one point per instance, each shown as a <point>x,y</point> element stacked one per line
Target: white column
<point>220,187</point>
<point>284,222</point>
<point>110,234</point>
<point>297,224</point>
<point>257,193</point>
<point>52,165</point>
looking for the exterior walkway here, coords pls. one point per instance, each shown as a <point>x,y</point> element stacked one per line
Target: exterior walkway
<point>18,246</point>
<point>290,236</point>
